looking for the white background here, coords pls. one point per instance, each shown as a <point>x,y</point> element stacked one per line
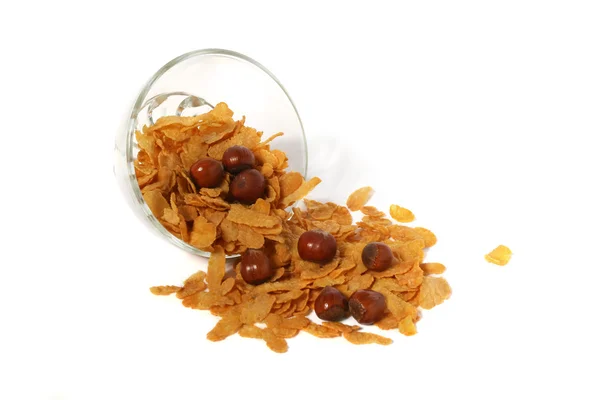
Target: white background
<point>481,117</point>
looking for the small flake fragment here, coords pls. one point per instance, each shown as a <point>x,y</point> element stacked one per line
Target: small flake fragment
<point>500,255</point>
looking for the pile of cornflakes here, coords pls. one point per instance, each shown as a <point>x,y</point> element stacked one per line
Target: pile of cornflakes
<point>203,217</point>
<point>277,309</point>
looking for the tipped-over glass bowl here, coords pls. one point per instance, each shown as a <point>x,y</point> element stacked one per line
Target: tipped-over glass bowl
<point>191,84</point>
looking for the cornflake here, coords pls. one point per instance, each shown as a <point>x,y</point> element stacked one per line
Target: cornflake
<point>401,214</point>
<point>359,198</point>
<point>207,219</point>
<point>355,337</point>
<point>500,255</point>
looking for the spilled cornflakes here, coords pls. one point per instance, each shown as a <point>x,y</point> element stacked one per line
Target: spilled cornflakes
<point>276,309</point>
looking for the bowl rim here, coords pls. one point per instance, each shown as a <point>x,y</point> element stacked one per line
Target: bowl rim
<point>131,128</point>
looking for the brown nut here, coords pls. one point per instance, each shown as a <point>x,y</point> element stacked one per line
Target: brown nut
<point>331,305</point>
<point>378,256</point>
<point>238,158</point>
<point>248,186</point>
<point>255,267</point>
<point>317,246</point>
<point>367,306</point>
<point>207,173</point>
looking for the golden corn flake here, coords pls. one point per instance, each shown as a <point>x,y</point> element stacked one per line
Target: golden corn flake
<point>359,198</point>
<point>214,217</point>
<point>410,251</point>
<point>171,216</point>
<point>428,236</point>
<point>319,211</point>
<point>342,216</point>
<point>328,281</point>
<point>280,286</point>
<point>279,272</point>
<point>360,282</point>
<point>203,233</point>
<point>261,206</point>
<point>433,268</point>
<point>286,333</point>
<point>388,322</point>
<point>290,182</point>
<point>258,309</point>
<point>227,326</point>
<point>229,232</point>
<point>433,292</point>
<point>372,212</point>
<point>321,331</point>
<point>401,214</point>
<point>156,202</point>
<point>500,255</point>
<point>340,327</point>
<point>251,332</point>
<point>249,238</point>
<point>301,192</point>
<point>398,307</point>
<point>276,321</point>
<point>195,283</point>
<point>164,290</point>
<point>206,300</point>
<point>301,301</point>
<point>407,326</point>
<point>273,320</point>
<point>412,278</point>
<point>216,269</point>
<point>398,269</point>
<point>355,337</point>
<point>227,285</point>
<point>243,215</point>
<point>311,270</point>
<point>389,284</point>
<point>297,322</point>
<point>275,343</point>
<point>288,296</point>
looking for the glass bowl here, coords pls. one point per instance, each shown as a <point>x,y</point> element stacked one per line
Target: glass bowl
<point>191,84</point>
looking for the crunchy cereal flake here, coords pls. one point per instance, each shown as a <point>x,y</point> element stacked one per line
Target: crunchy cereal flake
<point>274,342</point>
<point>164,290</point>
<point>193,284</point>
<point>427,236</point>
<point>366,338</point>
<point>257,310</point>
<point>500,255</point>
<point>433,268</point>
<point>401,214</point>
<point>340,327</point>
<point>433,292</point>
<point>301,192</point>
<point>227,326</point>
<point>321,331</point>
<point>398,307</point>
<point>359,198</point>
<point>243,215</point>
<point>407,326</point>
<point>216,269</point>
<point>156,202</point>
<point>203,233</point>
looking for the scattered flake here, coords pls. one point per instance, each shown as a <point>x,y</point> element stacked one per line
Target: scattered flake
<point>500,255</point>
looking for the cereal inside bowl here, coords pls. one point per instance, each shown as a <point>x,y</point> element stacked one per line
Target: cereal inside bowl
<point>214,182</point>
